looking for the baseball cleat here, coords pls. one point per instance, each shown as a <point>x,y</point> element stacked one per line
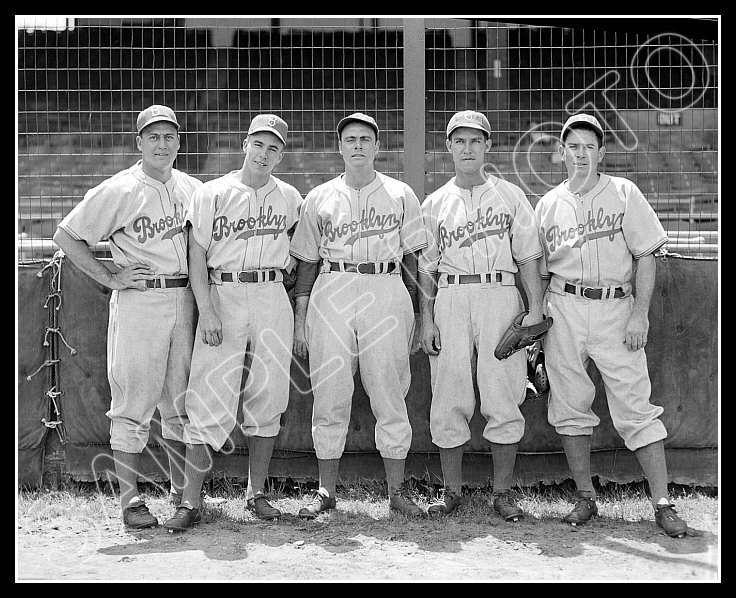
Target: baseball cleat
<point>262,509</point>
<point>402,502</point>
<point>183,518</point>
<point>449,502</point>
<point>505,505</point>
<point>667,518</point>
<point>137,515</point>
<point>582,512</point>
<point>320,503</point>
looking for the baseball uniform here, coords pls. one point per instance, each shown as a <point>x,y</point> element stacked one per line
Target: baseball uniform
<point>150,333</point>
<point>590,244</point>
<point>361,317</point>
<point>245,234</point>
<point>476,240</point>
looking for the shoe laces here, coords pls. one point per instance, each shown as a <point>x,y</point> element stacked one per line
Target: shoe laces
<point>667,511</point>
<point>139,508</point>
<point>403,492</point>
<point>505,497</point>
<point>319,498</point>
<point>182,512</point>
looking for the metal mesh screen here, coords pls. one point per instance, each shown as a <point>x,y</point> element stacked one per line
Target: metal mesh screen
<point>80,89</point>
<point>656,94</point>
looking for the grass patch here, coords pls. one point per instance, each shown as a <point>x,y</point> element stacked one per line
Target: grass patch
<point>85,502</point>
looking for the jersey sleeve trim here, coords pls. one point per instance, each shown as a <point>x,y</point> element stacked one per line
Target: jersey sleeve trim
<point>72,233</point>
<point>416,248</point>
<point>654,248</point>
<point>531,258</point>
<point>305,259</point>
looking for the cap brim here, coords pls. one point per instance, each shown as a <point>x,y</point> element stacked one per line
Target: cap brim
<point>468,126</point>
<point>581,125</point>
<point>346,121</point>
<point>267,130</point>
<point>157,119</point>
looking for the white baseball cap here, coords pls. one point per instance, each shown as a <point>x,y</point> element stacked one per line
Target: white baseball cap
<point>358,117</point>
<point>468,118</point>
<point>153,114</point>
<point>581,119</point>
<point>271,123</point>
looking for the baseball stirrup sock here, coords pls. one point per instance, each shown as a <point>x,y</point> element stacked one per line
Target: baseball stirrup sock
<point>451,461</point>
<point>577,452</point>
<point>328,469</point>
<point>504,459</point>
<point>199,462</point>
<point>652,460</point>
<point>260,450</point>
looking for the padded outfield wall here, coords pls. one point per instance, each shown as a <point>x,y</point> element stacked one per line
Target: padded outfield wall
<point>682,353</point>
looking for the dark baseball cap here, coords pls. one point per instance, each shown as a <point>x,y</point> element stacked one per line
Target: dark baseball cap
<point>271,123</point>
<point>578,120</point>
<point>358,117</point>
<point>468,118</point>
<point>154,114</point>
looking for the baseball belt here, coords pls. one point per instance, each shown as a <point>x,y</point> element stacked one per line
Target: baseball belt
<point>594,292</point>
<point>364,267</point>
<point>167,283</point>
<point>249,276</point>
<point>474,278</point>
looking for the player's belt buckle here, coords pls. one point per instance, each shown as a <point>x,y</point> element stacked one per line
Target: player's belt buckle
<point>594,293</point>
<point>245,276</point>
<point>365,267</point>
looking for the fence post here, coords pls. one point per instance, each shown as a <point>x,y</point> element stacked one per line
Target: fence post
<point>414,105</point>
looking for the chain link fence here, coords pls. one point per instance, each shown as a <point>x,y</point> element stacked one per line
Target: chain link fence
<point>81,84</point>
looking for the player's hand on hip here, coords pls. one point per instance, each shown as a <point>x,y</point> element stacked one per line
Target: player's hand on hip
<point>431,343</point>
<point>636,331</point>
<point>132,277</point>
<point>210,327</point>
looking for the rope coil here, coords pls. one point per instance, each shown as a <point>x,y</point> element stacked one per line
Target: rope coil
<point>53,420</point>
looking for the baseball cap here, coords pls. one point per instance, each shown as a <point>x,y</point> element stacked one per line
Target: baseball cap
<point>271,123</point>
<point>156,113</point>
<point>584,119</point>
<point>468,118</point>
<point>358,117</point>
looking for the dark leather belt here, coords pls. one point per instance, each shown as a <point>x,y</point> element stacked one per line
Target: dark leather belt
<point>168,283</point>
<point>474,278</point>
<point>249,276</point>
<point>593,292</point>
<point>364,267</point>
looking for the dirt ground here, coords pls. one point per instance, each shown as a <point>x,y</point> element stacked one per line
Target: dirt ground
<point>386,548</point>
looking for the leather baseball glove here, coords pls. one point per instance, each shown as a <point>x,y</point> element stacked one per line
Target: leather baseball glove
<point>536,373</point>
<point>517,336</point>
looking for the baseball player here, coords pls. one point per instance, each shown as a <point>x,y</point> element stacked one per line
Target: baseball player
<point>481,232</point>
<point>355,232</point>
<point>599,236</point>
<point>141,212</point>
<point>240,226</point>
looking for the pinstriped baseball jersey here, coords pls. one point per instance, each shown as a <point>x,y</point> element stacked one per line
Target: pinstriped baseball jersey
<point>242,228</point>
<point>380,222</point>
<point>592,240</point>
<point>141,217</point>
<point>470,230</point>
